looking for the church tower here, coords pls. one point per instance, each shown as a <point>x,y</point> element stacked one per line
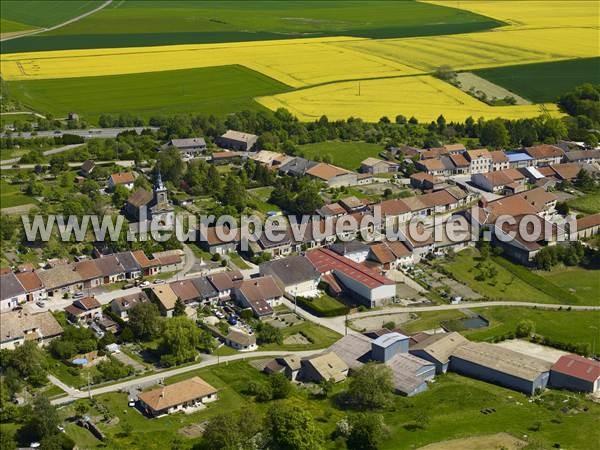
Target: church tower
<point>160,191</point>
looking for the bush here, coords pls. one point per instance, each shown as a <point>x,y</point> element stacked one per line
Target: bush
<point>309,305</point>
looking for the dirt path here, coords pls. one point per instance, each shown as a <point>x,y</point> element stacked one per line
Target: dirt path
<point>60,25</point>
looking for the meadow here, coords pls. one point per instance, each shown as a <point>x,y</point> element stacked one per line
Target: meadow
<point>589,203</point>
<point>11,195</point>
<point>212,90</point>
<point>544,82</point>
<point>131,23</point>
<point>348,155</point>
<point>42,14</point>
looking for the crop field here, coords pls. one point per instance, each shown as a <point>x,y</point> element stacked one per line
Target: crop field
<point>213,90</point>
<point>43,14</point>
<point>544,82</point>
<point>341,75</point>
<point>423,97</point>
<point>131,23</point>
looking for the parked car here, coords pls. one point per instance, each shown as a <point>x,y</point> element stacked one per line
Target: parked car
<point>78,294</point>
<point>159,282</point>
<point>144,284</point>
<point>232,320</point>
<point>40,303</point>
<point>219,314</point>
<point>128,286</point>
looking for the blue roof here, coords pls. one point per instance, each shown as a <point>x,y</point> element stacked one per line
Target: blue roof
<point>514,157</point>
<point>80,361</point>
<point>385,340</point>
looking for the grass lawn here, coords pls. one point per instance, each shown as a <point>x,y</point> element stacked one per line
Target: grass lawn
<point>581,282</point>
<point>319,336</point>
<point>215,90</point>
<point>238,261</point>
<point>259,199</point>
<point>544,82</point>
<point>589,204</point>
<point>344,154</point>
<point>11,195</point>
<point>132,23</point>
<point>325,306</point>
<point>508,286</point>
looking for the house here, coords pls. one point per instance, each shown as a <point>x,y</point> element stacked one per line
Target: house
<point>144,206</point>
<point>87,167</point>
<point>280,245</point>
<point>131,267</point>
<point>480,160</point>
<point>169,260</point>
<point>582,156</point>
<point>148,266</point>
<point>186,291</point>
<point>540,199</point>
<point>576,373</point>
<point>121,306</point>
<point>324,367</point>
<point>394,212</point>
<point>33,286</point>
<point>184,395</point>
<point>91,275</point>
<point>12,293</point>
<point>587,226</point>
<point>438,167</point>
<point>426,182</point>
<point>332,175</point>
<point>288,365</point>
<point>519,160</point>
<point>352,204</point>
<point>19,327</point>
<point>226,157</point>
<point>391,254</point>
<point>501,366</point>
<point>507,180</point>
<point>460,163</point>
<point>296,166</point>
<point>188,147</point>
<point>125,179</point>
<point>365,285</point>
<point>331,210</point>
<point>219,239</point>
<point>375,166</point>
<point>355,250</point>
<point>223,282</point>
<point>294,274</point>
<point>410,374</point>
<point>240,341</point>
<point>545,155</point>
<point>60,280</point>
<point>237,140</point>
<point>112,271</point>
<point>499,160</point>
<point>164,297</point>
<point>84,310</point>
<point>260,294</point>
<point>270,159</point>
<point>207,293</point>
<point>438,348</point>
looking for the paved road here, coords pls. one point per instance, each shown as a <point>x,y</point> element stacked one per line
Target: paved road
<point>86,134</point>
<point>15,113</point>
<point>8,166</point>
<point>208,360</point>
<point>54,151</point>
<point>60,25</point>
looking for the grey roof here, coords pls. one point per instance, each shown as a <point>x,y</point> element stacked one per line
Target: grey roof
<point>238,136</point>
<point>241,338</point>
<point>59,276</point>
<point>441,345</point>
<point>109,265</point>
<point>10,286</point>
<point>388,339</point>
<point>353,349</point>
<point>297,166</point>
<point>188,142</point>
<point>291,270</point>
<point>344,248</point>
<point>204,287</point>
<point>88,165</point>
<point>128,262</point>
<point>15,324</point>
<point>582,155</point>
<point>127,302</point>
<point>406,369</point>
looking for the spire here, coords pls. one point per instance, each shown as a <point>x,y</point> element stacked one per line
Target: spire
<point>159,184</point>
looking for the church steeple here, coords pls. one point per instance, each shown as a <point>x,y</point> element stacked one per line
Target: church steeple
<point>160,191</point>
<point>159,186</point>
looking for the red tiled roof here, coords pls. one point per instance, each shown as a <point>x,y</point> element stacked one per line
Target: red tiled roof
<point>544,151</point>
<point>459,160</point>
<point>588,221</point>
<point>578,367</point>
<point>122,178</point>
<point>30,281</point>
<point>326,171</point>
<point>143,260</point>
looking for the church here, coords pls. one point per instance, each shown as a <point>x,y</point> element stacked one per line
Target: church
<point>144,206</point>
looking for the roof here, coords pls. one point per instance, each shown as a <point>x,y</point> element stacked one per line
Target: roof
<point>538,197</point>
<point>238,136</point>
<point>143,260</point>
<point>567,171</point>
<point>578,367</point>
<point>175,394</point>
<point>498,156</point>
<point>128,262</point>
<point>329,366</point>
<point>459,160</point>
<point>590,221</point>
<point>503,177</point>
<point>297,166</point>
<point>88,165</point>
<point>326,171</point>
<point>14,325</point>
<point>127,302</point>
<point>88,269</point>
<point>204,287</point>
<point>169,259</point>
<point>122,178</point>
<point>109,265</point>
<point>210,235</point>
<point>455,147</point>
<point>238,337</point>
<point>291,270</point>
<point>188,142</point>
<point>262,288</point>
<point>424,176</point>
<point>517,157</point>
<point>293,362</point>
<point>502,360</point>
<point>326,261</point>
<point>395,207</point>
<point>226,154</point>
<point>344,248</point>
<point>582,155</point>
<point>406,369</point>
<point>544,151</point>
<point>30,281</point>
<point>87,303</point>
<point>140,197</point>
<point>222,281</point>
<point>332,209</point>
<point>59,276</point>
<point>433,165</point>
<point>351,202</point>
<point>478,153</point>
<point>441,345</point>
<point>10,286</point>
<point>165,295</point>
<point>185,290</point>
<point>370,161</point>
<point>512,206</point>
<point>388,339</point>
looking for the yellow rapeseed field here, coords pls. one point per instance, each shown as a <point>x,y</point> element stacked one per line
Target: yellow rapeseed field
<point>424,97</point>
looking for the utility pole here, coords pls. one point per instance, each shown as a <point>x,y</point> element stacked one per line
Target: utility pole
<point>359,88</point>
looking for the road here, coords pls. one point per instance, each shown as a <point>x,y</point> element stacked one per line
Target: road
<point>86,134</point>
<point>208,360</point>
<point>53,151</point>
<point>122,163</point>
<point>60,25</point>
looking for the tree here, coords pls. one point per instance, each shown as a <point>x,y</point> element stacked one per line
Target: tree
<point>371,386</point>
<point>43,421</point>
<point>562,208</point>
<point>179,309</point>
<point>494,134</point>
<point>281,387</point>
<point>525,328</point>
<point>366,432</point>
<point>170,165</point>
<point>119,196</point>
<point>231,431</point>
<point>290,427</point>
<point>267,334</point>
<point>180,339</point>
<point>144,320</point>
<point>326,386</point>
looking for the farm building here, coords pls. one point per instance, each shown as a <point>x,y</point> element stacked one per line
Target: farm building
<point>324,366</point>
<point>237,140</point>
<point>437,349</point>
<point>575,373</point>
<point>498,365</point>
<point>188,147</point>
<point>388,345</point>
<point>185,395</point>
<point>294,274</point>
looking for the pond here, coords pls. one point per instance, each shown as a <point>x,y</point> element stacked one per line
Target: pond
<point>468,323</point>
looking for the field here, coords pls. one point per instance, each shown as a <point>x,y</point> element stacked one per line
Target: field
<point>344,154</point>
<point>10,195</point>
<point>589,203</point>
<point>582,283</point>
<point>43,14</point>
<point>123,24</point>
<point>544,82</point>
<point>213,90</point>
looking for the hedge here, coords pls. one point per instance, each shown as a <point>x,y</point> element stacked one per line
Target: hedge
<point>311,308</point>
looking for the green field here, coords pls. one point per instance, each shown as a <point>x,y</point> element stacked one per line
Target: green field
<point>344,154</point>
<point>137,23</point>
<point>583,283</point>
<point>589,204</point>
<point>8,26</point>
<point>11,195</point>
<point>215,90</point>
<point>544,82</point>
<point>43,13</point>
